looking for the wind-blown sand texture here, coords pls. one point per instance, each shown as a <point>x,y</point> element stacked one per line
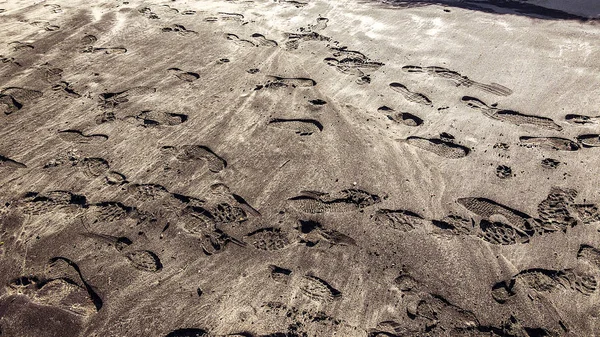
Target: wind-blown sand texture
<point>299,168</point>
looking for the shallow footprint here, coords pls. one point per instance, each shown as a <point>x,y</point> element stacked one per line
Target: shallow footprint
<point>302,127</point>
<point>77,136</point>
<point>409,95</point>
<point>184,75</point>
<point>261,40</point>
<point>551,143</point>
<point>441,147</point>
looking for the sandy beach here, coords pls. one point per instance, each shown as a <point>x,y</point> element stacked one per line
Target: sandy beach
<point>299,168</point>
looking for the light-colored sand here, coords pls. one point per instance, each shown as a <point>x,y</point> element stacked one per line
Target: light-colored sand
<point>313,168</point>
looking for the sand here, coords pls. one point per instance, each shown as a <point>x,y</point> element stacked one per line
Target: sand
<point>299,168</point>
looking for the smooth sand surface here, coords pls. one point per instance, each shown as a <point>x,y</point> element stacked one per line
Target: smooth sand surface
<point>299,168</point>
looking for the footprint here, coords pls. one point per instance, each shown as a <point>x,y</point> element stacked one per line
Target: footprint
<point>545,281</point>
<point>148,192</point>
<point>51,74</point>
<point>179,29</point>
<point>54,7</point>
<point>581,119</point>
<point>440,146</point>
<point>280,275</point>
<point>10,163</point>
<point>352,62</point>
<point>184,75</point>
<point>401,220</point>
<point>589,254</point>
<point>144,260</point>
<point>66,88</point>
<point>302,127</point>
<point>459,79</point>
<point>89,39</point>
<point>188,12</point>
<point>550,143</point>
<point>269,239</point>
<point>500,233</point>
<point>261,40</point>
<point>95,167</point>
<point>148,13</point>
<point>76,136</point>
<point>400,117</point>
<point>62,293</point>
<point>110,100</point>
<point>223,16</point>
<point>344,201</point>
<point>294,3</point>
<point>554,211</point>
<point>150,118</point>
<point>588,213</point>
<point>107,50</point>
<point>312,232</point>
<point>34,203</point>
<point>589,140</point>
<point>294,82</point>
<point>494,232</point>
<point>320,25</point>
<point>410,96</point>
<point>294,39</point>
<point>437,316</point>
<point>510,116</point>
<point>59,264</point>
<point>20,46</point>
<point>109,211</point>
<point>487,208</point>
<point>199,152</point>
<point>318,289</point>
<point>46,25</point>
<point>10,60</point>
<point>238,41</point>
<point>13,99</point>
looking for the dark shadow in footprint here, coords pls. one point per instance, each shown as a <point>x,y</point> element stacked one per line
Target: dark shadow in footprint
<point>10,163</point>
<point>188,332</point>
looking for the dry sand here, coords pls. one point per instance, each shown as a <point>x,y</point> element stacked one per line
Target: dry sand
<point>299,168</point>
